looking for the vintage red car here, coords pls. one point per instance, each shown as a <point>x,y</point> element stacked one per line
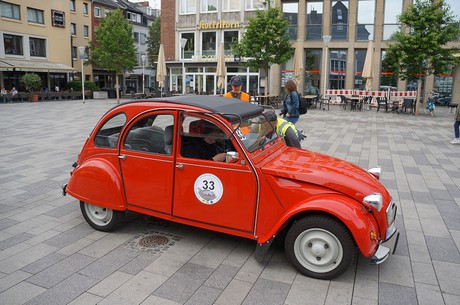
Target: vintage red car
<point>138,158</point>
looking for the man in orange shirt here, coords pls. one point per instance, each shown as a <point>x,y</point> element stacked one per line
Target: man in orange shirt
<point>236,82</point>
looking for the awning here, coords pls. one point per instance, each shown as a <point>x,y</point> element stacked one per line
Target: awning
<point>33,66</point>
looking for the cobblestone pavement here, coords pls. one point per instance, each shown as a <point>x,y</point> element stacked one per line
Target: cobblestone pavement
<point>49,255</point>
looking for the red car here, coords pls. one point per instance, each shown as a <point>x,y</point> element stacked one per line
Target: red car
<point>144,156</point>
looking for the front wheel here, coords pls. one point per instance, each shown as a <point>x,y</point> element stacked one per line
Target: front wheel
<point>101,219</point>
<point>320,247</point>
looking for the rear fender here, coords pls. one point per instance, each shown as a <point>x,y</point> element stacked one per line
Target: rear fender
<point>97,182</point>
<point>353,215</point>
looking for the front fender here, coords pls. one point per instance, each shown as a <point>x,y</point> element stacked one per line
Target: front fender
<point>357,219</point>
<point>98,182</point>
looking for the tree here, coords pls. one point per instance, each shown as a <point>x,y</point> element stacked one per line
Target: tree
<point>265,42</point>
<point>31,81</point>
<point>154,41</point>
<point>113,49</point>
<point>420,47</point>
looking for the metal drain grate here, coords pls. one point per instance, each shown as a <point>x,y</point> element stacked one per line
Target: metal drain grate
<point>154,242</point>
<point>151,241</point>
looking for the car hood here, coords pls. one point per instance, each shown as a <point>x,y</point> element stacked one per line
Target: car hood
<point>324,171</point>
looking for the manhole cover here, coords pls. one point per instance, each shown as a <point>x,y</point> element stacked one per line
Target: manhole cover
<point>154,242</point>
<point>151,241</point>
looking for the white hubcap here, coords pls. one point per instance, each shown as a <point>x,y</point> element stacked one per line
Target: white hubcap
<point>99,216</point>
<point>318,250</point>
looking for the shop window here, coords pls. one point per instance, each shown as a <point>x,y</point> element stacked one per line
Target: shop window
<point>231,5</point>
<point>254,5</point>
<point>35,16</point>
<point>339,20</point>
<point>9,10</point>
<point>189,49</point>
<point>290,13</point>
<point>337,72</point>
<point>37,47</point>
<point>314,22</point>
<point>187,6</point>
<point>360,57</point>
<point>13,44</point>
<point>393,8</point>
<point>208,6</point>
<point>365,20</point>
<point>208,46</point>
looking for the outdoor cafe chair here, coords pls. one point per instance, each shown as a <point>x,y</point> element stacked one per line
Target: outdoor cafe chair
<point>382,101</point>
<point>409,103</point>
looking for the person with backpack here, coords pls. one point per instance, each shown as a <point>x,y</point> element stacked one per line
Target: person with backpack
<point>290,110</point>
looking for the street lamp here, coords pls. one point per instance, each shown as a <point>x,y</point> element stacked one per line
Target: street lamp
<point>326,39</point>
<point>143,57</point>
<point>183,42</point>
<point>82,49</point>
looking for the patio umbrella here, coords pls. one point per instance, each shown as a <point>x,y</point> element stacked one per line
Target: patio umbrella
<point>221,69</point>
<point>368,71</point>
<point>161,68</point>
<point>298,62</point>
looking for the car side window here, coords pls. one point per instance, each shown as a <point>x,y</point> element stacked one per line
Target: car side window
<point>107,135</point>
<point>152,134</point>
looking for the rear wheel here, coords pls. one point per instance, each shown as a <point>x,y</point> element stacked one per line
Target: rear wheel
<point>320,247</point>
<point>101,219</point>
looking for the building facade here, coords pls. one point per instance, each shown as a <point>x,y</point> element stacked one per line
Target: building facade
<point>32,34</point>
<point>350,23</point>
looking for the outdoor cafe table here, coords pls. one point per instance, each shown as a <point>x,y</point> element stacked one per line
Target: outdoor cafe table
<point>310,99</point>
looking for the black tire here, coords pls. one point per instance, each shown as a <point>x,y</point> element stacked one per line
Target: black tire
<point>320,247</point>
<point>101,219</point>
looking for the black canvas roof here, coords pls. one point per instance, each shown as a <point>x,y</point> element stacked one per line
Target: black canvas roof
<point>216,104</point>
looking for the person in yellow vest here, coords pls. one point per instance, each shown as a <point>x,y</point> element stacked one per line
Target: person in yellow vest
<point>286,130</point>
<point>236,82</point>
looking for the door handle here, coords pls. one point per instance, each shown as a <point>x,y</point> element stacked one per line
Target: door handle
<point>180,165</point>
<point>122,157</point>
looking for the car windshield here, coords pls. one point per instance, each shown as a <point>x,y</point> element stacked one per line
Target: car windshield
<point>255,132</point>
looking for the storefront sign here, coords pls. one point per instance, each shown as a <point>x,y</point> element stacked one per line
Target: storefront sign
<point>58,18</point>
<point>220,24</point>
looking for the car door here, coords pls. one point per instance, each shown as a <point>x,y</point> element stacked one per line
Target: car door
<point>210,192</point>
<point>147,163</point>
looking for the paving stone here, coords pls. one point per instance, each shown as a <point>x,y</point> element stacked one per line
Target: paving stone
<point>25,258</point>
<point>85,299</point>
<point>60,271</point>
<point>9,280</point>
<point>110,283</point>
<point>234,293</point>
<point>135,290</point>
<point>204,295</point>
<point>394,294</point>
<point>183,284</point>
<point>70,236</point>
<point>315,294</point>
<point>447,274</point>
<point>267,292</point>
<point>214,252</point>
<point>14,240</point>
<point>221,277</point>
<point>428,294</point>
<point>65,291</point>
<point>43,263</point>
<point>20,293</point>
<point>443,249</point>
<point>396,270</point>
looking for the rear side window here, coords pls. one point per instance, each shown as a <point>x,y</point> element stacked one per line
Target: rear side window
<point>151,134</point>
<point>107,136</point>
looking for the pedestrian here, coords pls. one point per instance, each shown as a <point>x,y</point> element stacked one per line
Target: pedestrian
<point>56,88</point>
<point>291,101</point>
<point>13,93</point>
<point>456,126</point>
<point>286,130</point>
<point>236,82</point>
<point>3,95</point>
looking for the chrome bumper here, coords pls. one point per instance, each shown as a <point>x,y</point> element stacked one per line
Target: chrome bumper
<point>386,248</point>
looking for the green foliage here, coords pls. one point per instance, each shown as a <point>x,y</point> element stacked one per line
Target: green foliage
<point>266,40</point>
<point>31,81</point>
<point>89,85</point>
<point>113,49</point>
<point>420,47</point>
<point>154,41</point>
